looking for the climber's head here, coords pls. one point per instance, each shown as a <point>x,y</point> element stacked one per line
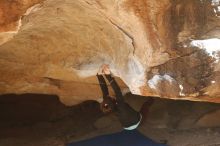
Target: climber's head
<point>109,104</point>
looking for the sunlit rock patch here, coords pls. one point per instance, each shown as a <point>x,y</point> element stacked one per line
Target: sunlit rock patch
<point>211,46</point>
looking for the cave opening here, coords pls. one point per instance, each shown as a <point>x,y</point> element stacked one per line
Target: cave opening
<point>167,48</point>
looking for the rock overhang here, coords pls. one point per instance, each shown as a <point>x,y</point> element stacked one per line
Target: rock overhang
<point>156,48</point>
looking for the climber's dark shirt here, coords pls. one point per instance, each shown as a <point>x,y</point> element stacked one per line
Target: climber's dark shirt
<point>125,113</point>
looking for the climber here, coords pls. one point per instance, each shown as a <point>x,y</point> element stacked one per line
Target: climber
<point>128,117</point>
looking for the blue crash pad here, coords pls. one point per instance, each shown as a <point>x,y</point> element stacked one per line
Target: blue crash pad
<point>124,138</point>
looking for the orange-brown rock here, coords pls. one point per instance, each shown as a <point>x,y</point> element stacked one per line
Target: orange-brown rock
<point>11,11</point>
<point>158,48</point>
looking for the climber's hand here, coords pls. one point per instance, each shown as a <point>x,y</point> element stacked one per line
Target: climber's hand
<point>106,69</point>
<point>100,71</point>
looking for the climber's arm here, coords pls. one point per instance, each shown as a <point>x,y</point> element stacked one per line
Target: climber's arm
<point>103,85</point>
<point>115,87</point>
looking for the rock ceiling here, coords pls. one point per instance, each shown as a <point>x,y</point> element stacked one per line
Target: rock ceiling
<point>166,48</point>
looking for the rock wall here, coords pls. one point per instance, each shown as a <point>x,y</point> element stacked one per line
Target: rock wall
<point>11,13</point>
<point>166,48</point>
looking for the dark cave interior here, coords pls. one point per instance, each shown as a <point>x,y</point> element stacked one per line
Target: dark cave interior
<point>43,120</point>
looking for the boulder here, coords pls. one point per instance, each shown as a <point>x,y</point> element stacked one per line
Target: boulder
<point>167,48</point>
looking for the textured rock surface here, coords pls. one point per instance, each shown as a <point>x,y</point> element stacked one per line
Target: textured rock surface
<point>155,47</point>
<point>11,13</point>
